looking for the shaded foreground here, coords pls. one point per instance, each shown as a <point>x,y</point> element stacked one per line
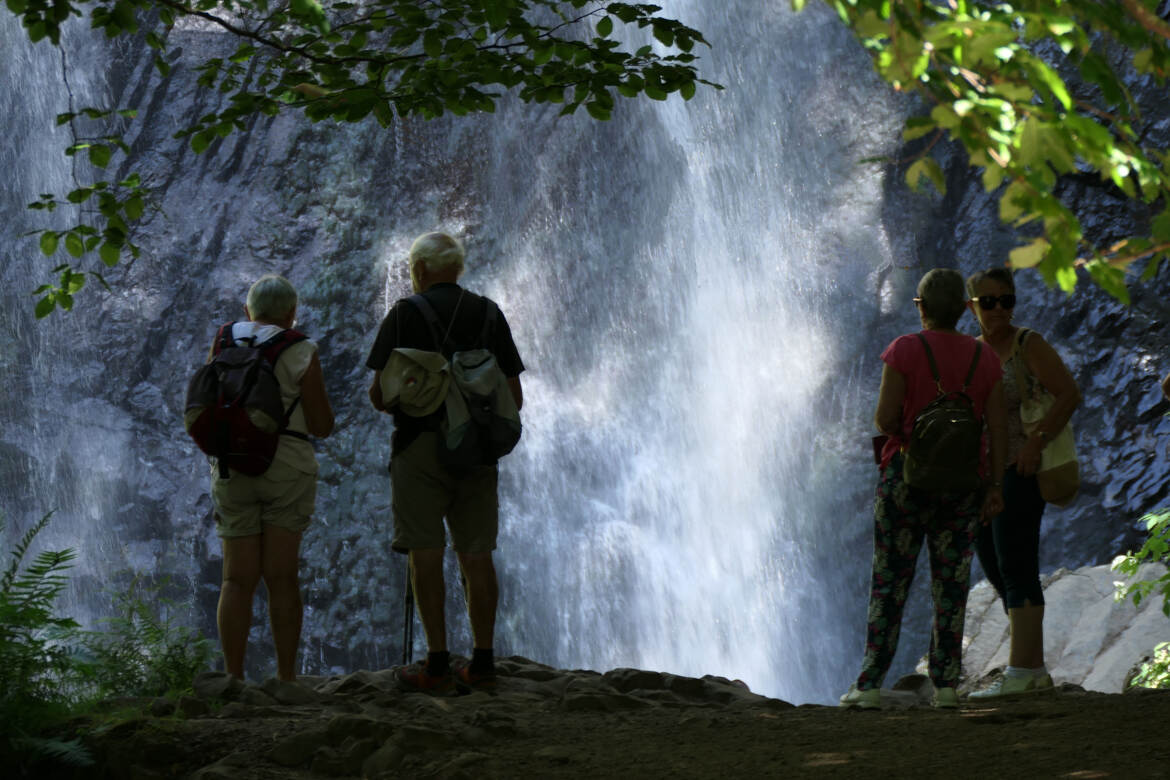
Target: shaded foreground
<point>544,722</point>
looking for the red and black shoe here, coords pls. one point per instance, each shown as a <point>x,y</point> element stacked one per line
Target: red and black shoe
<point>468,680</point>
<point>416,679</point>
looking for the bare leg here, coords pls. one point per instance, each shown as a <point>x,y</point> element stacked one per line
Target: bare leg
<point>1027,636</point>
<point>241,572</point>
<point>483,593</point>
<point>429,595</point>
<point>285,609</point>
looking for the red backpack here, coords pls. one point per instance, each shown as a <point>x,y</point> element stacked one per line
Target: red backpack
<point>234,409</point>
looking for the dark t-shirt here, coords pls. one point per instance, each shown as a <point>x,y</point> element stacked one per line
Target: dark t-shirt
<point>405,326</point>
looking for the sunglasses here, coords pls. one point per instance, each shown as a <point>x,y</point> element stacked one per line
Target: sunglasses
<point>1006,301</point>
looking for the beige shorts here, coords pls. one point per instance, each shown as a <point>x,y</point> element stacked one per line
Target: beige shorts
<point>244,505</point>
<point>424,493</point>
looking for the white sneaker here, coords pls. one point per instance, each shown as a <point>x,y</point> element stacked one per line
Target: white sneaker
<point>870,699</point>
<point>945,698</point>
<point>1010,687</point>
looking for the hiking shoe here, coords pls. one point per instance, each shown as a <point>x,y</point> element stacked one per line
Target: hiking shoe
<point>467,680</point>
<point>1011,687</point>
<point>414,679</point>
<point>945,699</point>
<point>870,699</point>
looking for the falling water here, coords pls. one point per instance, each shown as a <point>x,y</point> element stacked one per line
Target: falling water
<point>690,311</point>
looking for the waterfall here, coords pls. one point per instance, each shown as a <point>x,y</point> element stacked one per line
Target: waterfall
<point>61,448</point>
<point>688,312</point>
<point>693,287</point>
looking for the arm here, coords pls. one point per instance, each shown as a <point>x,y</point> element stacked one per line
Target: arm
<point>1045,364</point>
<point>315,400</point>
<point>888,416</point>
<point>995,413</point>
<point>376,392</point>
<point>514,386</point>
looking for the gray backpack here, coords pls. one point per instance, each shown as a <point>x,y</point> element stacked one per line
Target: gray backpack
<point>942,455</point>
<point>480,422</point>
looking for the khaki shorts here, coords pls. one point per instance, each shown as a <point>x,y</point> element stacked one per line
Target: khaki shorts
<point>424,493</point>
<point>244,505</point>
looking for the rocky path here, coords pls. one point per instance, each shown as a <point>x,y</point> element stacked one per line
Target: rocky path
<point>544,722</point>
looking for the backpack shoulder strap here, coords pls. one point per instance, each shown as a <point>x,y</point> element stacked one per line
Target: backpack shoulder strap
<point>974,365</point>
<point>933,365</point>
<point>275,346</point>
<point>491,311</point>
<point>1019,364</point>
<point>223,338</point>
<point>430,315</point>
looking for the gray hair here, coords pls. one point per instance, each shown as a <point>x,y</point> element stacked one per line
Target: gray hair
<point>943,297</point>
<point>438,252</point>
<point>271,298</point>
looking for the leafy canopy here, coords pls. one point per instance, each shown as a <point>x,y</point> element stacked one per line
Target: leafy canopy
<point>1035,91</point>
<point>346,61</point>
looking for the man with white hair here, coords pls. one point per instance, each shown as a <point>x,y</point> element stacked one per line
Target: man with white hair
<point>424,492</point>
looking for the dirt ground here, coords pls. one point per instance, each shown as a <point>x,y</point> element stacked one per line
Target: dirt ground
<point>630,724</point>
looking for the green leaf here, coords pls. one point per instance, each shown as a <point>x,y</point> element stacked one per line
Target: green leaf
<point>1051,79</point>
<point>310,13</point>
<point>687,90</point>
<point>109,254</point>
<point>45,306</point>
<point>48,243</point>
<point>99,155</point>
<point>201,140</point>
<point>74,244</point>
<point>929,168</point>
<point>597,111</point>
<point>1109,278</point>
<point>133,207</point>
<point>433,43</point>
<point>918,126</point>
<point>1029,255</point>
<point>605,27</point>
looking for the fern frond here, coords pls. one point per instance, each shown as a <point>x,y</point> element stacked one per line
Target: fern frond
<point>20,551</point>
<point>70,752</point>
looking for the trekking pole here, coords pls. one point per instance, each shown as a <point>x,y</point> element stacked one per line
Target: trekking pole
<point>408,616</point>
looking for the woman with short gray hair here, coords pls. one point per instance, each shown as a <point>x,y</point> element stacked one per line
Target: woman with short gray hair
<point>260,519</point>
<point>909,507</point>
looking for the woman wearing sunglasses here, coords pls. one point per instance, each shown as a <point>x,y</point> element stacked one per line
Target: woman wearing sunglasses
<point>1009,547</point>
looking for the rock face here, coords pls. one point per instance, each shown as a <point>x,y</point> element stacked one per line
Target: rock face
<point>1090,640</point>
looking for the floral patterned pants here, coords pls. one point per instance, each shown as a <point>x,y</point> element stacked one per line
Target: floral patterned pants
<point>903,517</point>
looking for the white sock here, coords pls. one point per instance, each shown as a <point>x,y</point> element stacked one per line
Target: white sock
<point>1017,671</point>
<point>1039,671</point>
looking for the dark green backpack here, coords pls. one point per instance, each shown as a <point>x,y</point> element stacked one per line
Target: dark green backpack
<point>942,455</point>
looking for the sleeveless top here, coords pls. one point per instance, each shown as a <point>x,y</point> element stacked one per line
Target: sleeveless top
<point>1013,396</point>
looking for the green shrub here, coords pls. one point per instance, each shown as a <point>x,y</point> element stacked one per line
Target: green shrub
<point>40,680</point>
<point>52,670</point>
<point>1156,672</point>
<point>143,650</point>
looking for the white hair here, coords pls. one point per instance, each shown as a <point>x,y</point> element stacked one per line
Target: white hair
<point>437,252</point>
<point>271,298</point>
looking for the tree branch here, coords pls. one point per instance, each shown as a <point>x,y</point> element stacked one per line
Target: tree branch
<point>1147,18</point>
